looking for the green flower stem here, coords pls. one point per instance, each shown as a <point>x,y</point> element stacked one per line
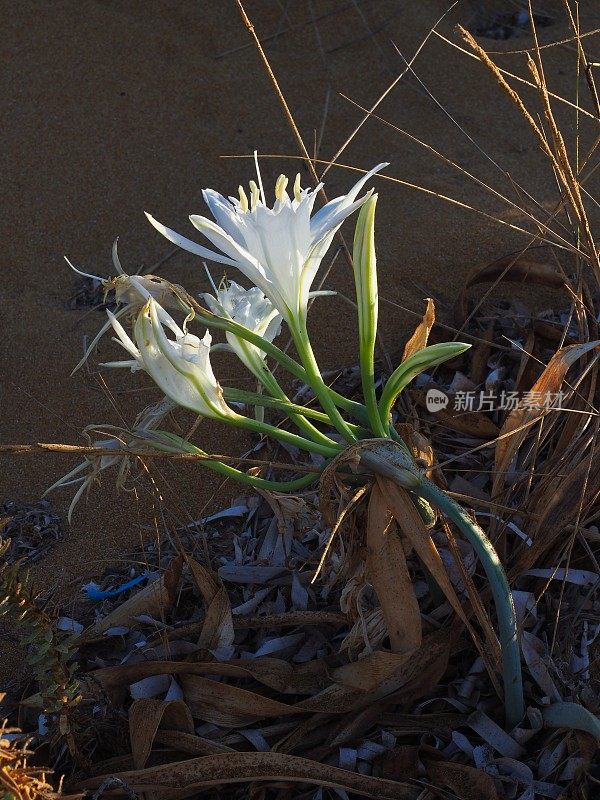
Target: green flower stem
<point>503,600</point>
<point>282,435</point>
<point>419,362</point>
<point>271,384</point>
<point>365,280</point>
<point>357,410</point>
<point>286,407</point>
<point>315,379</point>
<point>386,458</point>
<point>232,472</point>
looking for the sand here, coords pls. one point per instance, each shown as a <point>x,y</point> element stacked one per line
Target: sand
<point>115,107</point>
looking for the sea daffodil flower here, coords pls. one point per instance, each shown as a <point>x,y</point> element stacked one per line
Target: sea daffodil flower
<point>180,367</point>
<point>279,249</point>
<point>250,308</point>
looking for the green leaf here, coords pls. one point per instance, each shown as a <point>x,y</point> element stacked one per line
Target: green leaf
<point>364,263</point>
<point>419,362</point>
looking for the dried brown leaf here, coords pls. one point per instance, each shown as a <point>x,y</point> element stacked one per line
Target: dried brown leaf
<point>412,526</point>
<point>421,334</point>
<point>473,423</point>
<point>184,778</point>
<point>468,783</point>
<point>275,673</point>
<point>518,423</point>
<point>147,716</point>
<point>512,268</point>
<point>388,572</point>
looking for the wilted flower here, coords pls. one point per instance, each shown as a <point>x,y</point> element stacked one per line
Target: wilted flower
<point>180,367</point>
<point>279,249</point>
<point>88,471</point>
<point>250,308</point>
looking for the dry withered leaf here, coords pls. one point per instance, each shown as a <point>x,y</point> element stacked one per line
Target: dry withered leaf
<point>153,600</point>
<point>147,716</point>
<point>190,743</point>
<point>182,778</point>
<point>421,334</point>
<point>217,629</point>
<point>468,783</point>
<point>368,673</point>
<point>513,268</point>
<point>559,509</point>
<point>223,704</point>
<point>409,670</point>
<point>388,573</point>
<point>279,675</point>
<point>412,526</point>
<point>519,421</point>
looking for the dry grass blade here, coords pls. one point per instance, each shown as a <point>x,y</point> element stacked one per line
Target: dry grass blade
<point>185,778</point>
<point>515,77</point>
<point>558,157</point>
<point>388,573</point>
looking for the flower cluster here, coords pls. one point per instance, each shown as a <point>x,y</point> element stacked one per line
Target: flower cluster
<point>279,249</point>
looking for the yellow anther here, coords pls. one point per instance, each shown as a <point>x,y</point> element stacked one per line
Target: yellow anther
<point>280,187</point>
<point>254,195</point>
<point>297,188</point>
<point>243,199</point>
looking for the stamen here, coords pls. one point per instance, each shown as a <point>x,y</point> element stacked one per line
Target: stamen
<point>280,186</point>
<point>210,277</point>
<point>254,195</point>
<point>258,175</point>
<point>297,188</point>
<point>85,274</point>
<point>243,199</point>
<point>116,259</point>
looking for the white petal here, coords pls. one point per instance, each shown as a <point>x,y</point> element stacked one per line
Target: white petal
<point>224,214</point>
<point>188,244</point>
<point>124,338</point>
<point>319,219</point>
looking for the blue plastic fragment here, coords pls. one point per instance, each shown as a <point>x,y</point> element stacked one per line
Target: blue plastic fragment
<point>94,593</point>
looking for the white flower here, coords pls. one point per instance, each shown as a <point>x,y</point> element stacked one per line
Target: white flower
<point>250,308</point>
<point>180,367</point>
<point>279,249</point>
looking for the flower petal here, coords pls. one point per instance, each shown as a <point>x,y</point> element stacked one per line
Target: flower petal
<point>319,219</point>
<point>188,244</point>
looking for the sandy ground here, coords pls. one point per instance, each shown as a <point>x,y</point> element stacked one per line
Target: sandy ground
<point>113,107</point>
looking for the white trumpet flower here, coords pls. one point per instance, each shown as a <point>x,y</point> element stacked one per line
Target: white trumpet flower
<point>180,367</point>
<point>279,249</point>
<point>250,308</point>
